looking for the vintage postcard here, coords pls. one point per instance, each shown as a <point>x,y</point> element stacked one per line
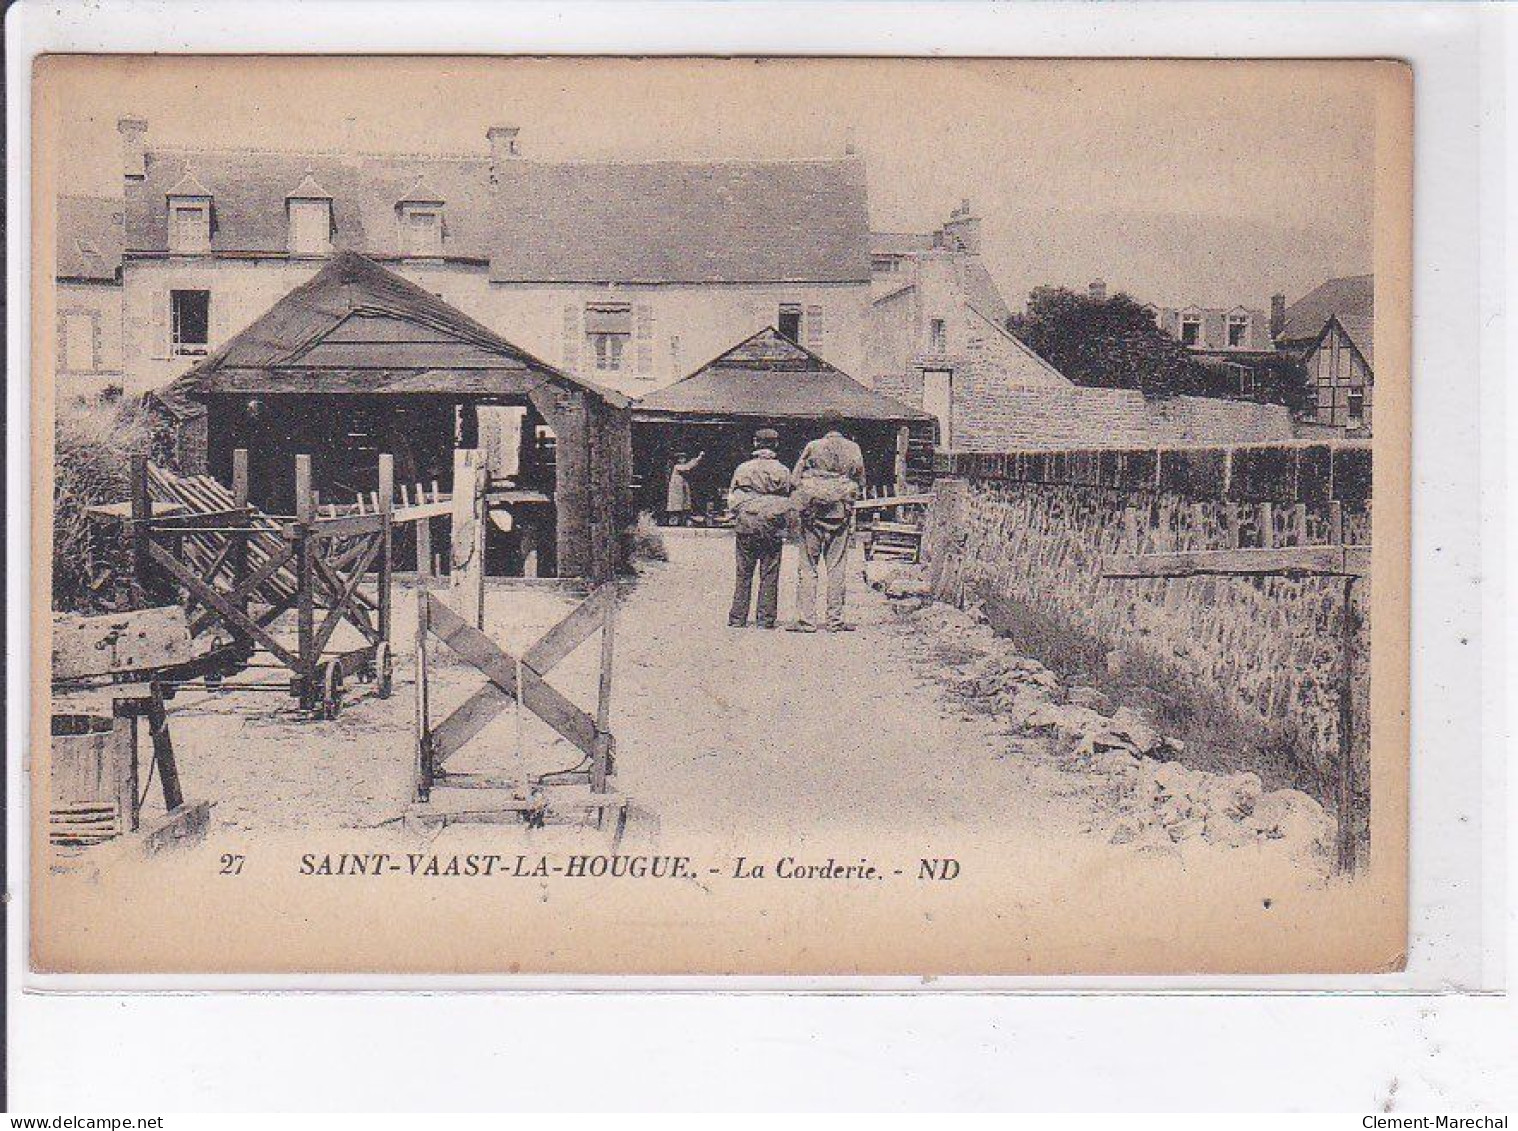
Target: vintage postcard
<point>706,516</point>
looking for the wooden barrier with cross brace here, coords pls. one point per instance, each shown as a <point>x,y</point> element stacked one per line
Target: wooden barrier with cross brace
<point>516,681</point>
<point>1348,563</point>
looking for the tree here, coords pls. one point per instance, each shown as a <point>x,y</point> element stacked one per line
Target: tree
<point>1112,343</point>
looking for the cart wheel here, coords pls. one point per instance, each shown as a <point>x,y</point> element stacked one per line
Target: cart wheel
<point>332,691</point>
<point>384,669</point>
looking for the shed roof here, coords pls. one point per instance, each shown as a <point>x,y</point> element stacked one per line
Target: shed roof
<point>682,222</point>
<point>88,238</point>
<point>769,376</point>
<point>356,327</point>
<point>1351,299</point>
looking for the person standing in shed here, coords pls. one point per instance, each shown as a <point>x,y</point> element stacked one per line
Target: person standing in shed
<point>759,497</point>
<point>829,477</point>
<point>678,500</point>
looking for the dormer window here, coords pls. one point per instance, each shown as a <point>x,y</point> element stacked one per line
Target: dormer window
<point>310,213</point>
<point>422,231</point>
<point>189,208</point>
<point>1191,329</point>
<point>420,214</point>
<point>1238,330</point>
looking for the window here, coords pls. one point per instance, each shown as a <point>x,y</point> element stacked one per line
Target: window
<point>79,341</point>
<point>191,316</point>
<point>1248,385</point>
<point>789,323</point>
<point>190,227</point>
<point>938,336</point>
<point>885,264</point>
<point>421,231</point>
<point>608,329</point>
<point>1238,330</point>
<point>1356,414</point>
<point>938,401</point>
<point>1191,329</point>
<point>310,227</point>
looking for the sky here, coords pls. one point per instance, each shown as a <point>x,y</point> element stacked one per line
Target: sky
<point>1178,182</point>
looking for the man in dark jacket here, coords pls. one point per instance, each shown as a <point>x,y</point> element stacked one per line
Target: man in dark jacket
<point>829,477</point>
<point>760,500</point>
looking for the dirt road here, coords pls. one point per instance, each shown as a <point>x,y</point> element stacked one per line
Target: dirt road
<point>722,734</point>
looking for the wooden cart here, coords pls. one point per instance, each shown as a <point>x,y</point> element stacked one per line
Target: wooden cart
<point>237,571</point>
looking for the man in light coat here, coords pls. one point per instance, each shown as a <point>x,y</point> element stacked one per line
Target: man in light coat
<point>759,497</point>
<point>829,477</point>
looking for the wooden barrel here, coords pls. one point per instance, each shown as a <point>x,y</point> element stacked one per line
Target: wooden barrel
<point>94,779</point>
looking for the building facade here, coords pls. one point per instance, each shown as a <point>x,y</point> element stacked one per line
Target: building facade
<point>88,357</point>
<point>938,337</point>
<point>630,275</point>
<point>1331,331</point>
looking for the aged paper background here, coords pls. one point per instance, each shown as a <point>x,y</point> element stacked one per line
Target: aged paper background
<point>1010,913</point>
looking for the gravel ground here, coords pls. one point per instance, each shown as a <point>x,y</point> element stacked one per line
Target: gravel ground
<point>721,733</point>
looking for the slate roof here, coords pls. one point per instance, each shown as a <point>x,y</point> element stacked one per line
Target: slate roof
<point>682,222</point>
<point>981,291</point>
<point>656,222</point>
<point>899,243</point>
<point>769,376</point>
<point>249,189</point>
<point>1350,298</point>
<point>88,238</point>
<point>356,327</point>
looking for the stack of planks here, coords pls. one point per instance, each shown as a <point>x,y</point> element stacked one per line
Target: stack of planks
<point>201,494</point>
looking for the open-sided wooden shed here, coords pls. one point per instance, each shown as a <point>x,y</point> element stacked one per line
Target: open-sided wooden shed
<point>767,380</point>
<point>359,361</point>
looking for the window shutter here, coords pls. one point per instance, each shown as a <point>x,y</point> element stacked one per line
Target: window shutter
<point>159,346</point>
<point>813,329</point>
<point>643,333</point>
<point>571,350</point>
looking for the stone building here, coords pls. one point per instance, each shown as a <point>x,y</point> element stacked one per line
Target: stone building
<point>1232,343</point>
<point>88,276</point>
<point>938,337</point>
<point>627,274</point>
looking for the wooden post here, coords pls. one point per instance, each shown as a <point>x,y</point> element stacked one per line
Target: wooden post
<point>423,548</point>
<point>305,607</point>
<point>387,540</point>
<point>1336,523</point>
<point>424,770</point>
<point>903,446</point>
<point>142,534</point>
<point>237,557</point>
<point>601,767</point>
<point>163,751</point>
<point>468,569</point>
<point>1267,525</point>
<point>1231,525</point>
<point>1299,524</point>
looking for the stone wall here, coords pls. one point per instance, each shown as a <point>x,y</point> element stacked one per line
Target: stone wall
<point>1001,417</point>
<point>1245,671</point>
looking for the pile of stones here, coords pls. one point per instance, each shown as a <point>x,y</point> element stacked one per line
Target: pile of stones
<point>1150,797</point>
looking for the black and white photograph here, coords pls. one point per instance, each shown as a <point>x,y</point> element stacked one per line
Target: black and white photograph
<point>508,515</point>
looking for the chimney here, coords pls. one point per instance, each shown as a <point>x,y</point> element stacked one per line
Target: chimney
<point>1097,290</point>
<point>134,162</point>
<point>1277,315</point>
<point>503,147</point>
<point>962,232</point>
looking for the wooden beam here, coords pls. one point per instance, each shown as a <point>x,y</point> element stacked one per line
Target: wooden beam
<point>1340,561</point>
<point>543,700</point>
<point>468,541</point>
<point>564,637</point>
